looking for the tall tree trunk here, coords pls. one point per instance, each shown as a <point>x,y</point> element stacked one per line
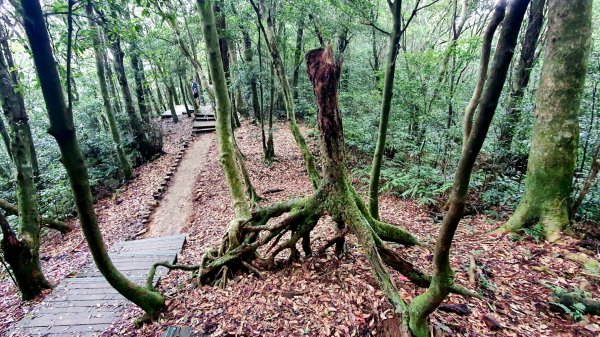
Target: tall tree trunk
<point>262,97</point>
<point>486,50</point>
<point>443,276</point>
<point>522,75</point>
<point>112,87</point>
<point>555,135</point>
<point>388,90</point>
<point>143,142</point>
<point>297,57</point>
<point>138,69</point>
<point>63,130</point>
<point>224,130</point>
<point>240,105</point>
<point>124,164</point>
<point>184,97</point>
<point>252,78</point>
<point>171,99</point>
<point>21,251</point>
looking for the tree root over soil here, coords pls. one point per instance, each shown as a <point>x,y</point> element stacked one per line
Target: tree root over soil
<point>254,243</point>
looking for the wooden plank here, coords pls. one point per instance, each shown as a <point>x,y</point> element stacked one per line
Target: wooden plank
<point>86,305</point>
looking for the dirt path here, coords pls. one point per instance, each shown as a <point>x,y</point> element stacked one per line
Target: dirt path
<point>177,205</point>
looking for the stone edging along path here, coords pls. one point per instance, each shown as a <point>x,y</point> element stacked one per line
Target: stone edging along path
<point>158,194</point>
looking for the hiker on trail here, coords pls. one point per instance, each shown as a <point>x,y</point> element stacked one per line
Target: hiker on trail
<point>195,91</point>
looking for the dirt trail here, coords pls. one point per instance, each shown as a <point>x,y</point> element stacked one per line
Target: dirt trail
<point>177,205</point>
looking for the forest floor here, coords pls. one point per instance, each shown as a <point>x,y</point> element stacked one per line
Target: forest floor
<point>323,295</point>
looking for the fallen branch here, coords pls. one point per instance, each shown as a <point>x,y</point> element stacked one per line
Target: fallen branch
<point>46,222</point>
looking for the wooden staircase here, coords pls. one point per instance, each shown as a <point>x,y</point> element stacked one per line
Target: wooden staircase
<point>205,121</point>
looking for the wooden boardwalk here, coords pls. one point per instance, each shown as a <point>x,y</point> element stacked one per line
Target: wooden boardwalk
<point>179,110</point>
<point>86,305</point>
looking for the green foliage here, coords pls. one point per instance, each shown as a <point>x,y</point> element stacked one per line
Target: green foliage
<point>536,232</point>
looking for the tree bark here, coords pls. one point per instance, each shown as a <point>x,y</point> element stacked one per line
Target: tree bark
<point>555,135</point>
<point>63,130</point>
<point>124,164</point>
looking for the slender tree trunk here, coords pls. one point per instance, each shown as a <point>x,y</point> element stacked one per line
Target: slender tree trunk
<point>522,74</point>
<point>486,49</point>
<point>252,78</point>
<point>297,57</point>
<point>590,126</point>
<point>224,130</point>
<point>241,107</point>
<point>171,99</point>
<point>112,88</point>
<point>589,182</point>
<point>443,276</point>
<point>270,149</point>
<point>63,130</point>
<point>21,251</point>
<point>184,97</point>
<point>262,98</point>
<point>124,164</point>
<point>388,89</point>
<point>143,143</point>
<point>555,135</point>
<point>138,68</point>
<point>161,101</point>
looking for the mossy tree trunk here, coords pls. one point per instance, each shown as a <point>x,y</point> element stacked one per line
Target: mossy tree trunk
<point>21,251</point>
<point>443,276</point>
<point>124,164</point>
<point>388,90</point>
<point>555,135</point>
<point>63,130</point>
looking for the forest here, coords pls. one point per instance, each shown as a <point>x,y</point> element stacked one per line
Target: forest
<point>300,168</point>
